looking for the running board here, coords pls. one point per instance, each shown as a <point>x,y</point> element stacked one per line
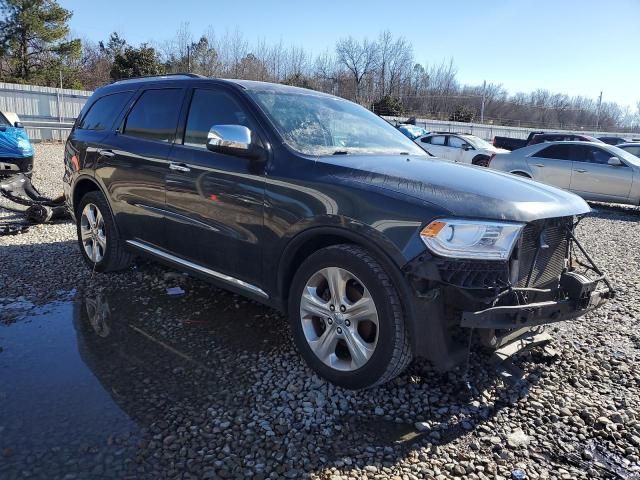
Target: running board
<point>199,268</point>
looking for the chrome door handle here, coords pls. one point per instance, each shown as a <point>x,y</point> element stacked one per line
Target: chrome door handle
<point>580,170</point>
<point>541,165</point>
<point>179,167</point>
<point>106,153</point>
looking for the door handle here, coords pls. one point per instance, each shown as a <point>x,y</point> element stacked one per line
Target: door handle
<point>106,153</point>
<point>179,167</point>
<point>580,170</point>
<point>541,165</point>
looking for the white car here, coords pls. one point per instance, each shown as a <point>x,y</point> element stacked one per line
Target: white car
<point>459,148</point>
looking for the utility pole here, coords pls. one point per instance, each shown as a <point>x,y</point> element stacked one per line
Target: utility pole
<point>61,106</point>
<point>598,115</point>
<point>189,58</point>
<point>484,89</point>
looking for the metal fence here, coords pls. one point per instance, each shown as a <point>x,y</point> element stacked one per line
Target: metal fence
<point>48,114</point>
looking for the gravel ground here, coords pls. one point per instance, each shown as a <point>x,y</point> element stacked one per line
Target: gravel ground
<point>205,397</point>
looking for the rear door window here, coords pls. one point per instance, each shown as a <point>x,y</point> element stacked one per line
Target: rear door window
<point>438,140</point>
<point>557,152</point>
<point>104,111</point>
<point>155,115</point>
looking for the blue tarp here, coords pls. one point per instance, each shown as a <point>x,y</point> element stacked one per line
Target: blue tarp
<point>14,143</point>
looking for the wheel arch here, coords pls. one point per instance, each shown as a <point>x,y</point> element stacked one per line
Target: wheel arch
<point>81,187</point>
<point>521,173</point>
<point>313,239</point>
<point>480,156</point>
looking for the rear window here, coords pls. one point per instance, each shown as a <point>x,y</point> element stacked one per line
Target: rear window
<point>104,111</point>
<point>155,115</point>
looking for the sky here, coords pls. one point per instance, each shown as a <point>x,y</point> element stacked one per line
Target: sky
<point>566,46</point>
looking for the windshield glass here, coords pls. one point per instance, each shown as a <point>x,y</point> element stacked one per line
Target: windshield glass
<point>478,142</point>
<point>412,132</point>
<point>324,125</point>
<point>624,155</point>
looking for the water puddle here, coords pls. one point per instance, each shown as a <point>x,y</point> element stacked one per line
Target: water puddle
<point>84,383</point>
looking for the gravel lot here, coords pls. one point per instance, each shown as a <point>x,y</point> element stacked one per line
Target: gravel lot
<point>208,384</point>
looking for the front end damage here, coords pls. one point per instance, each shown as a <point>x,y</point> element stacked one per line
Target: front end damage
<point>548,278</point>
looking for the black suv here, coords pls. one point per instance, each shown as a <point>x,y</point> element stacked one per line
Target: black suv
<point>315,206</point>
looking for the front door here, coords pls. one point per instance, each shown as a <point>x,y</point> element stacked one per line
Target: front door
<point>552,165</point>
<point>595,179</point>
<point>214,200</point>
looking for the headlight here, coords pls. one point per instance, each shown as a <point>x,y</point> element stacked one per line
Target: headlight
<point>471,238</point>
<point>23,144</point>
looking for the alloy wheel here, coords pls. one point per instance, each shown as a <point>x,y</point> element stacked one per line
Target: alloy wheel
<point>339,319</point>
<point>92,233</point>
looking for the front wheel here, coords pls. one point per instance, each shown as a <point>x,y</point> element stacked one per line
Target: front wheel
<point>346,318</point>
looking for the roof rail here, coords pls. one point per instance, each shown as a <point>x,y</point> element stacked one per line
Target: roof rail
<point>161,77</point>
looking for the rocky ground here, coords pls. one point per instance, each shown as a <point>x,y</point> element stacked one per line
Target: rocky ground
<point>208,385</point>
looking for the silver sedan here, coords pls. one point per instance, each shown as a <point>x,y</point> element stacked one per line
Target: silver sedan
<point>597,172</point>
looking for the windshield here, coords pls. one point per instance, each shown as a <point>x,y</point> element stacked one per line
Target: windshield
<point>324,125</point>
<point>479,143</point>
<point>412,132</point>
<point>624,155</point>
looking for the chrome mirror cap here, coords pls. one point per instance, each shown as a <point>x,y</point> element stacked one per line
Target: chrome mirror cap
<point>229,137</point>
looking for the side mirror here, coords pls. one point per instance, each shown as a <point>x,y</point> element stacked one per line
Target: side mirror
<point>614,162</point>
<point>233,140</point>
<point>18,125</point>
<point>466,147</point>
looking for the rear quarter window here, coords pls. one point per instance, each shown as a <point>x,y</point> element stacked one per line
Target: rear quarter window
<point>104,111</point>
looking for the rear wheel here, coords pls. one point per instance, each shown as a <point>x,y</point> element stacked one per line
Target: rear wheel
<point>100,243</point>
<point>346,318</point>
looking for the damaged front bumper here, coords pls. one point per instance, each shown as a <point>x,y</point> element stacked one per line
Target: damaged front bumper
<point>540,312</point>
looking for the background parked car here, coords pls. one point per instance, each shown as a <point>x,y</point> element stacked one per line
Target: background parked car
<point>509,143</point>
<point>595,171</point>
<point>16,151</point>
<point>459,148</point>
<point>633,148</point>
<point>412,132</point>
<point>613,140</point>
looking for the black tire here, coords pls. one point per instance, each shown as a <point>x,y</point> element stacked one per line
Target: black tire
<point>114,256</point>
<point>392,351</point>
<point>481,161</point>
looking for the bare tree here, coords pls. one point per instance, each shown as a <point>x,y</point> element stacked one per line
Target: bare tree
<point>359,58</point>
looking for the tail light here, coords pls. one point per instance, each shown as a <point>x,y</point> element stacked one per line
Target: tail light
<point>493,142</point>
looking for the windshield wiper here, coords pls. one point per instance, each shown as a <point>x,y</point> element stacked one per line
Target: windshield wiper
<point>340,152</point>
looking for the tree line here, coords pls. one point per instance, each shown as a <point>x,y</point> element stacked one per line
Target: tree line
<point>381,73</point>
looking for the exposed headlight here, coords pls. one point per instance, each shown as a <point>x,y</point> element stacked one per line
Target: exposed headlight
<point>471,238</point>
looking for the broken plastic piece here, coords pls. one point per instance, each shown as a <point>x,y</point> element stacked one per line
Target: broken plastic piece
<point>175,291</point>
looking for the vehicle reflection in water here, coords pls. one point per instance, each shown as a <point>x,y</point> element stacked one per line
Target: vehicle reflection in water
<point>87,381</point>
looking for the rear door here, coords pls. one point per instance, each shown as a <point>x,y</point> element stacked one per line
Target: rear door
<point>552,165</point>
<point>595,179</point>
<point>134,166</point>
<point>215,201</point>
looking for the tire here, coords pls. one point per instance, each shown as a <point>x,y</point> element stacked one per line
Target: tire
<point>102,247</point>
<point>380,331</point>
<point>480,161</point>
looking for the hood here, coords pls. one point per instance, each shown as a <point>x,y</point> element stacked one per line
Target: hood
<point>463,190</point>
